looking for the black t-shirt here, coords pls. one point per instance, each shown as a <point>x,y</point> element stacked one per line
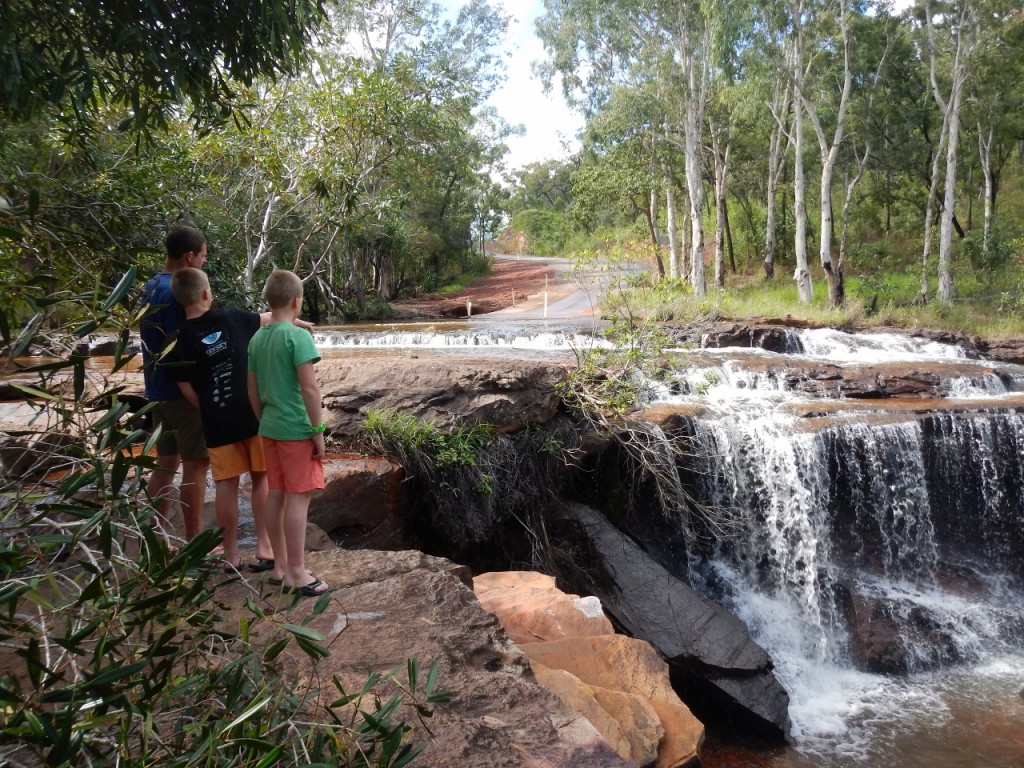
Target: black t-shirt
<point>211,355</point>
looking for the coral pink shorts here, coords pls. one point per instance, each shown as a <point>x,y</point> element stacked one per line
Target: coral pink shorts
<point>292,466</point>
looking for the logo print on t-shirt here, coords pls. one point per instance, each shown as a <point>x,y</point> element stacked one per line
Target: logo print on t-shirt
<point>211,338</point>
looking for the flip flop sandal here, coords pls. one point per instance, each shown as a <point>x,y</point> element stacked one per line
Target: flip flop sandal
<point>310,590</point>
<point>275,582</point>
<point>261,565</point>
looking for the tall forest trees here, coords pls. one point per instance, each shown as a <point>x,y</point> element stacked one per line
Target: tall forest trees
<point>346,140</point>
<point>872,113</point>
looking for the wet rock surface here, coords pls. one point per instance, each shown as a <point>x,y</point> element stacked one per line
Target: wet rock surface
<point>702,642</point>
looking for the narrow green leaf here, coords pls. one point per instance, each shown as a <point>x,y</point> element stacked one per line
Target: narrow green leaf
<point>121,289</point>
<point>304,632</point>
<point>85,328</point>
<point>249,712</point>
<point>113,674</point>
<point>33,391</point>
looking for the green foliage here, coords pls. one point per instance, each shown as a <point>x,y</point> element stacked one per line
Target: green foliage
<point>425,442</point>
<point>148,57</point>
<point>470,481</point>
<point>546,231</point>
<point>987,259</point>
<point>118,650</point>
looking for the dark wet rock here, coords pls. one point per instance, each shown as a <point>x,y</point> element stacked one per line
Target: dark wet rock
<point>364,504</point>
<point>33,456</point>
<point>1004,351</point>
<point>894,637</point>
<point>770,337</point>
<point>703,643</point>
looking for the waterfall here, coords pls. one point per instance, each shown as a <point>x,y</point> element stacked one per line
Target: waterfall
<point>845,531</point>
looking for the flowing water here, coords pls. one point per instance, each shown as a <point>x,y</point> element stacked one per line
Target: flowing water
<point>823,500</point>
<point>783,467</point>
<point>914,506</point>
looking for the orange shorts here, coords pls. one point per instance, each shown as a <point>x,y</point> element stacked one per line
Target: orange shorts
<point>235,459</point>
<point>292,466</point>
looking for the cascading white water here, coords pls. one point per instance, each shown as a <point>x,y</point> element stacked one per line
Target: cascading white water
<point>853,509</point>
<point>458,337</point>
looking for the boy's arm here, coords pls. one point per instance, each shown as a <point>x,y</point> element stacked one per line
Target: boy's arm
<point>311,397</point>
<point>304,324</point>
<point>189,393</point>
<point>253,390</point>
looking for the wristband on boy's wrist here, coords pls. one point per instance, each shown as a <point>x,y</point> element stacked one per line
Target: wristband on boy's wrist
<point>319,428</point>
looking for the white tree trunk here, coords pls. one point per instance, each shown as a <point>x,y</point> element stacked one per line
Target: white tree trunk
<point>776,162</point>
<point>945,291</point>
<point>672,226</point>
<point>829,152</point>
<point>986,141</point>
<point>963,29</point>
<point>721,154</point>
<point>802,274</point>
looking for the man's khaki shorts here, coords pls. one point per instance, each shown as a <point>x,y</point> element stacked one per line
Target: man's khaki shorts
<point>182,433</point>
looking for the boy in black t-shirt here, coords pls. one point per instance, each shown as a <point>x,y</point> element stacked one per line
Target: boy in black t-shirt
<point>211,369</point>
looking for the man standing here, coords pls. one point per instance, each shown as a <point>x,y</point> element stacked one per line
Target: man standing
<point>181,439</point>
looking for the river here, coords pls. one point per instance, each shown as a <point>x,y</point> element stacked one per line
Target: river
<point>788,468</point>
<point>785,466</point>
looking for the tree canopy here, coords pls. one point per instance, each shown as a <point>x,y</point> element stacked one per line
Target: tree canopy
<point>152,57</point>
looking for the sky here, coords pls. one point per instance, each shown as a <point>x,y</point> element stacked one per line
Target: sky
<point>547,119</point>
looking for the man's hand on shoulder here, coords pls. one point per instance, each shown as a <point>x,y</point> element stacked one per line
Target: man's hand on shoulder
<point>304,324</point>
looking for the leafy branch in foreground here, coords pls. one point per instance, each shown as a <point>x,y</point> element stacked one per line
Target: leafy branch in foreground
<point>117,647</point>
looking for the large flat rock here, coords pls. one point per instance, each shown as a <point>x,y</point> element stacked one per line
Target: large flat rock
<point>389,607</point>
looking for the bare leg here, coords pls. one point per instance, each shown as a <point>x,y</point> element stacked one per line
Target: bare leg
<point>159,486</point>
<point>295,512</point>
<point>226,507</point>
<point>275,531</point>
<point>264,549</point>
<point>193,494</point>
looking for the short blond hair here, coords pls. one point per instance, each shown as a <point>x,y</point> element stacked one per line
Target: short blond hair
<point>188,284</point>
<point>281,287</point>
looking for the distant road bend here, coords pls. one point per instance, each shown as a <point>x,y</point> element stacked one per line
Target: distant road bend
<point>572,294</point>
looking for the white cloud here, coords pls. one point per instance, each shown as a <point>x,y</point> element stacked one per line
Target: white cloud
<point>550,124</point>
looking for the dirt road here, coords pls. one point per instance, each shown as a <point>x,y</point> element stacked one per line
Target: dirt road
<point>514,286</point>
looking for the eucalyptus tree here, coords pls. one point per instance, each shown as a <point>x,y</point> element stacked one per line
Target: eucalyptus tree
<point>596,46</point>
<point>951,34</point>
<point>878,35</point>
<point>995,107</point>
<point>617,172</point>
<point>761,103</point>
<point>816,58</point>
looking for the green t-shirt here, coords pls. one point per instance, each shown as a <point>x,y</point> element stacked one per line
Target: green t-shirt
<point>275,352</point>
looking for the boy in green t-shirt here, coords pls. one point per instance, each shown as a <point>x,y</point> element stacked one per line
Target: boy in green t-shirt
<point>285,397</point>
